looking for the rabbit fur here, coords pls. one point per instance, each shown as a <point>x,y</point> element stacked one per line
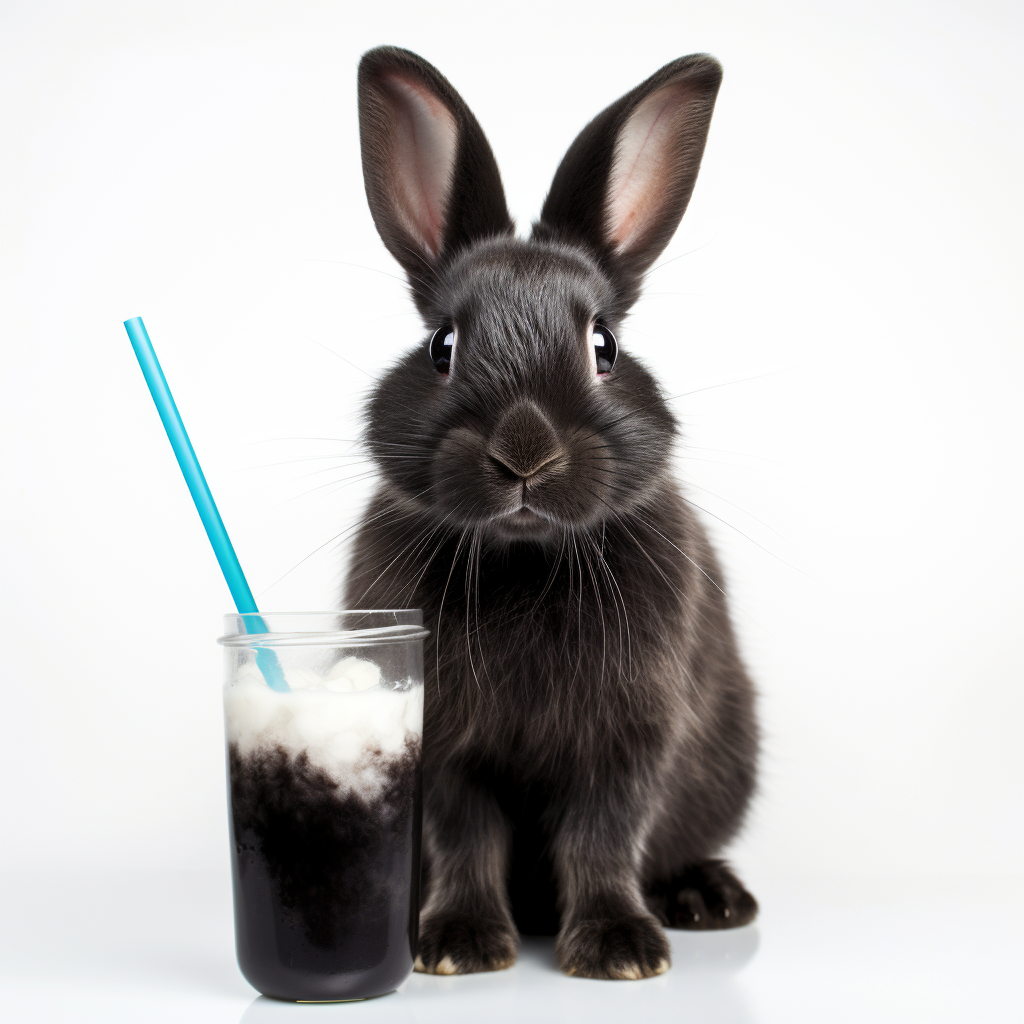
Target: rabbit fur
<point>590,738</point>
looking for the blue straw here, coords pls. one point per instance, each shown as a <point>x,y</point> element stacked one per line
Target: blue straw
<point>266,659</point>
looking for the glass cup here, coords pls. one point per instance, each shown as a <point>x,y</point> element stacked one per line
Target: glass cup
<point>325,803</point>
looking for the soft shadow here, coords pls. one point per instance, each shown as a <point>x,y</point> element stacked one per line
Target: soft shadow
<point>538,951</point>
<point>726,951</point>
<point>701,985</point>
<point>390,1008</point>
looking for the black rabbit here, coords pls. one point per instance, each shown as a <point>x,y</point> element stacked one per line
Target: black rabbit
<point>590,738</point>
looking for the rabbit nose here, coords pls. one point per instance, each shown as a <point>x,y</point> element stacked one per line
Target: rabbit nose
<point>524,442</point>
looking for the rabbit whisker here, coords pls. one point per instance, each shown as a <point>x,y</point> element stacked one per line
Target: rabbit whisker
<point>338,355</point>
<point>331,540</point>
<point>440,613</point>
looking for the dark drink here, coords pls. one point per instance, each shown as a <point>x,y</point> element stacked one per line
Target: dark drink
<point>324,786</point>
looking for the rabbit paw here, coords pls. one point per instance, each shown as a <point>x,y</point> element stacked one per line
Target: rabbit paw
<point>461,944</point>
<point>708,897</point>
<point>626,948</point>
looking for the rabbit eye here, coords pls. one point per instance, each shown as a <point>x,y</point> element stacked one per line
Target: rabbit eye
<point>605,348</point>
<point>442,348</point>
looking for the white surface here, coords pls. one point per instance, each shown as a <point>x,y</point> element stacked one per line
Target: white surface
<point>159,948</point>
<point>855,233</point>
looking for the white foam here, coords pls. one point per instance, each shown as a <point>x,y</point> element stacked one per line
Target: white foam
<point>345,722</point>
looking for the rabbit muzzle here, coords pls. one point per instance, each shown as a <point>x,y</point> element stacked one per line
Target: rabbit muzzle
<point>525,446</point>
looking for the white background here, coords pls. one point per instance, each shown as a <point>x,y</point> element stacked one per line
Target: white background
<point>840,312</point>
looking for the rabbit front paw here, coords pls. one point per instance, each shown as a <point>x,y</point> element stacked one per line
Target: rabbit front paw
<point>452,943</point>
<point>626,948</point>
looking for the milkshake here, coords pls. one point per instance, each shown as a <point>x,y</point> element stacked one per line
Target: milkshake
<point>324,784</point>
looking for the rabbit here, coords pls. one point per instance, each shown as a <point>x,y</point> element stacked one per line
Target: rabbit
<point>590,739</point>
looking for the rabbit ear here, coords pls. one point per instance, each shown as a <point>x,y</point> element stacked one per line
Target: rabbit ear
<point>431,179</point>
<point>623,185</point>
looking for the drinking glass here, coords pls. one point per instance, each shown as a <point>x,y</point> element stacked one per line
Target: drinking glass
<point>325,799</point>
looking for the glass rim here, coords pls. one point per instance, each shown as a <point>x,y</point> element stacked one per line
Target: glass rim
<point>268,631</point>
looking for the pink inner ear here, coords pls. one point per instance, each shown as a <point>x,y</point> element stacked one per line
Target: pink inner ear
<point>424,140</point>
<point>646,165</point>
